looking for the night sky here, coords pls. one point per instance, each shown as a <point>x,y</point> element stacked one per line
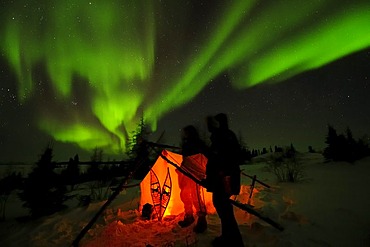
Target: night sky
<point>82,73</point>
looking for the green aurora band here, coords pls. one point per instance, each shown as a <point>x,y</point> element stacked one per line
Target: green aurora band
<point>131,57</point>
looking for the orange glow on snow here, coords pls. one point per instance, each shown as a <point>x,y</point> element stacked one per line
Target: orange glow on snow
<point>175,205</point>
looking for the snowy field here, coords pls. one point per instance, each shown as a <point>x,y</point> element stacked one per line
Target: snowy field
<point>330,207</point>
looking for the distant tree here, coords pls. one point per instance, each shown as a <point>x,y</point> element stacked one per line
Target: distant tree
<point>138,150</point>
<point>93,172</point>
<point>337,149</point>
<point>363,147</point>
<point>254,153</point>
<point>351,146</point>
<point>278,149</point>
<point>97,155</point>
<point>43,191</point>
<point>332,143</point>
<point>72,173</point>
<point>246,155</point>
<point>290,151</point>
<point>344,147</point>
<point>292,148</point>
<point>135,145</point>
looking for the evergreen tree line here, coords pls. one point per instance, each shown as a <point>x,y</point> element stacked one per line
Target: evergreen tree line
<point>344,147</point>
<point>44,191</point>
<point>257,152</point>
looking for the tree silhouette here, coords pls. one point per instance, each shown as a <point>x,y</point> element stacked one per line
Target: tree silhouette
<point>138,150</point>
<point>332,143</point>
<point>72,172</point>
<point>344,147</point>
<point>96,158</point>
<point>43,191</point>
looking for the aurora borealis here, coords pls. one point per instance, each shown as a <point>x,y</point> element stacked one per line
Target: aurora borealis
<point>90,69</point>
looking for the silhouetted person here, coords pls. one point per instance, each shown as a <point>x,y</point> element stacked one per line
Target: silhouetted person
<point>189,190</point>
<point>223,178</point>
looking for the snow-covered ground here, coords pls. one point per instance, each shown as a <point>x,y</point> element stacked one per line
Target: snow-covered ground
<point>330,207</point>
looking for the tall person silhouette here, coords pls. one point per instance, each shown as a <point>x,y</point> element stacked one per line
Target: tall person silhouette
<point>223,178</point>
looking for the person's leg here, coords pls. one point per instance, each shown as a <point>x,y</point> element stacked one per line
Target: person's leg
<point>200,208</point>
<point>217,203</point>
<point>220,208</point>
<point>229,226</point>
<point>197,197</point>
<point>186,198</point>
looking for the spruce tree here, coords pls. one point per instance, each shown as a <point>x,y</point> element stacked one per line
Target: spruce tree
<point>331,141</point>
<point>138,150</point>
<point>72,173</point>
<point>43,191</point>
